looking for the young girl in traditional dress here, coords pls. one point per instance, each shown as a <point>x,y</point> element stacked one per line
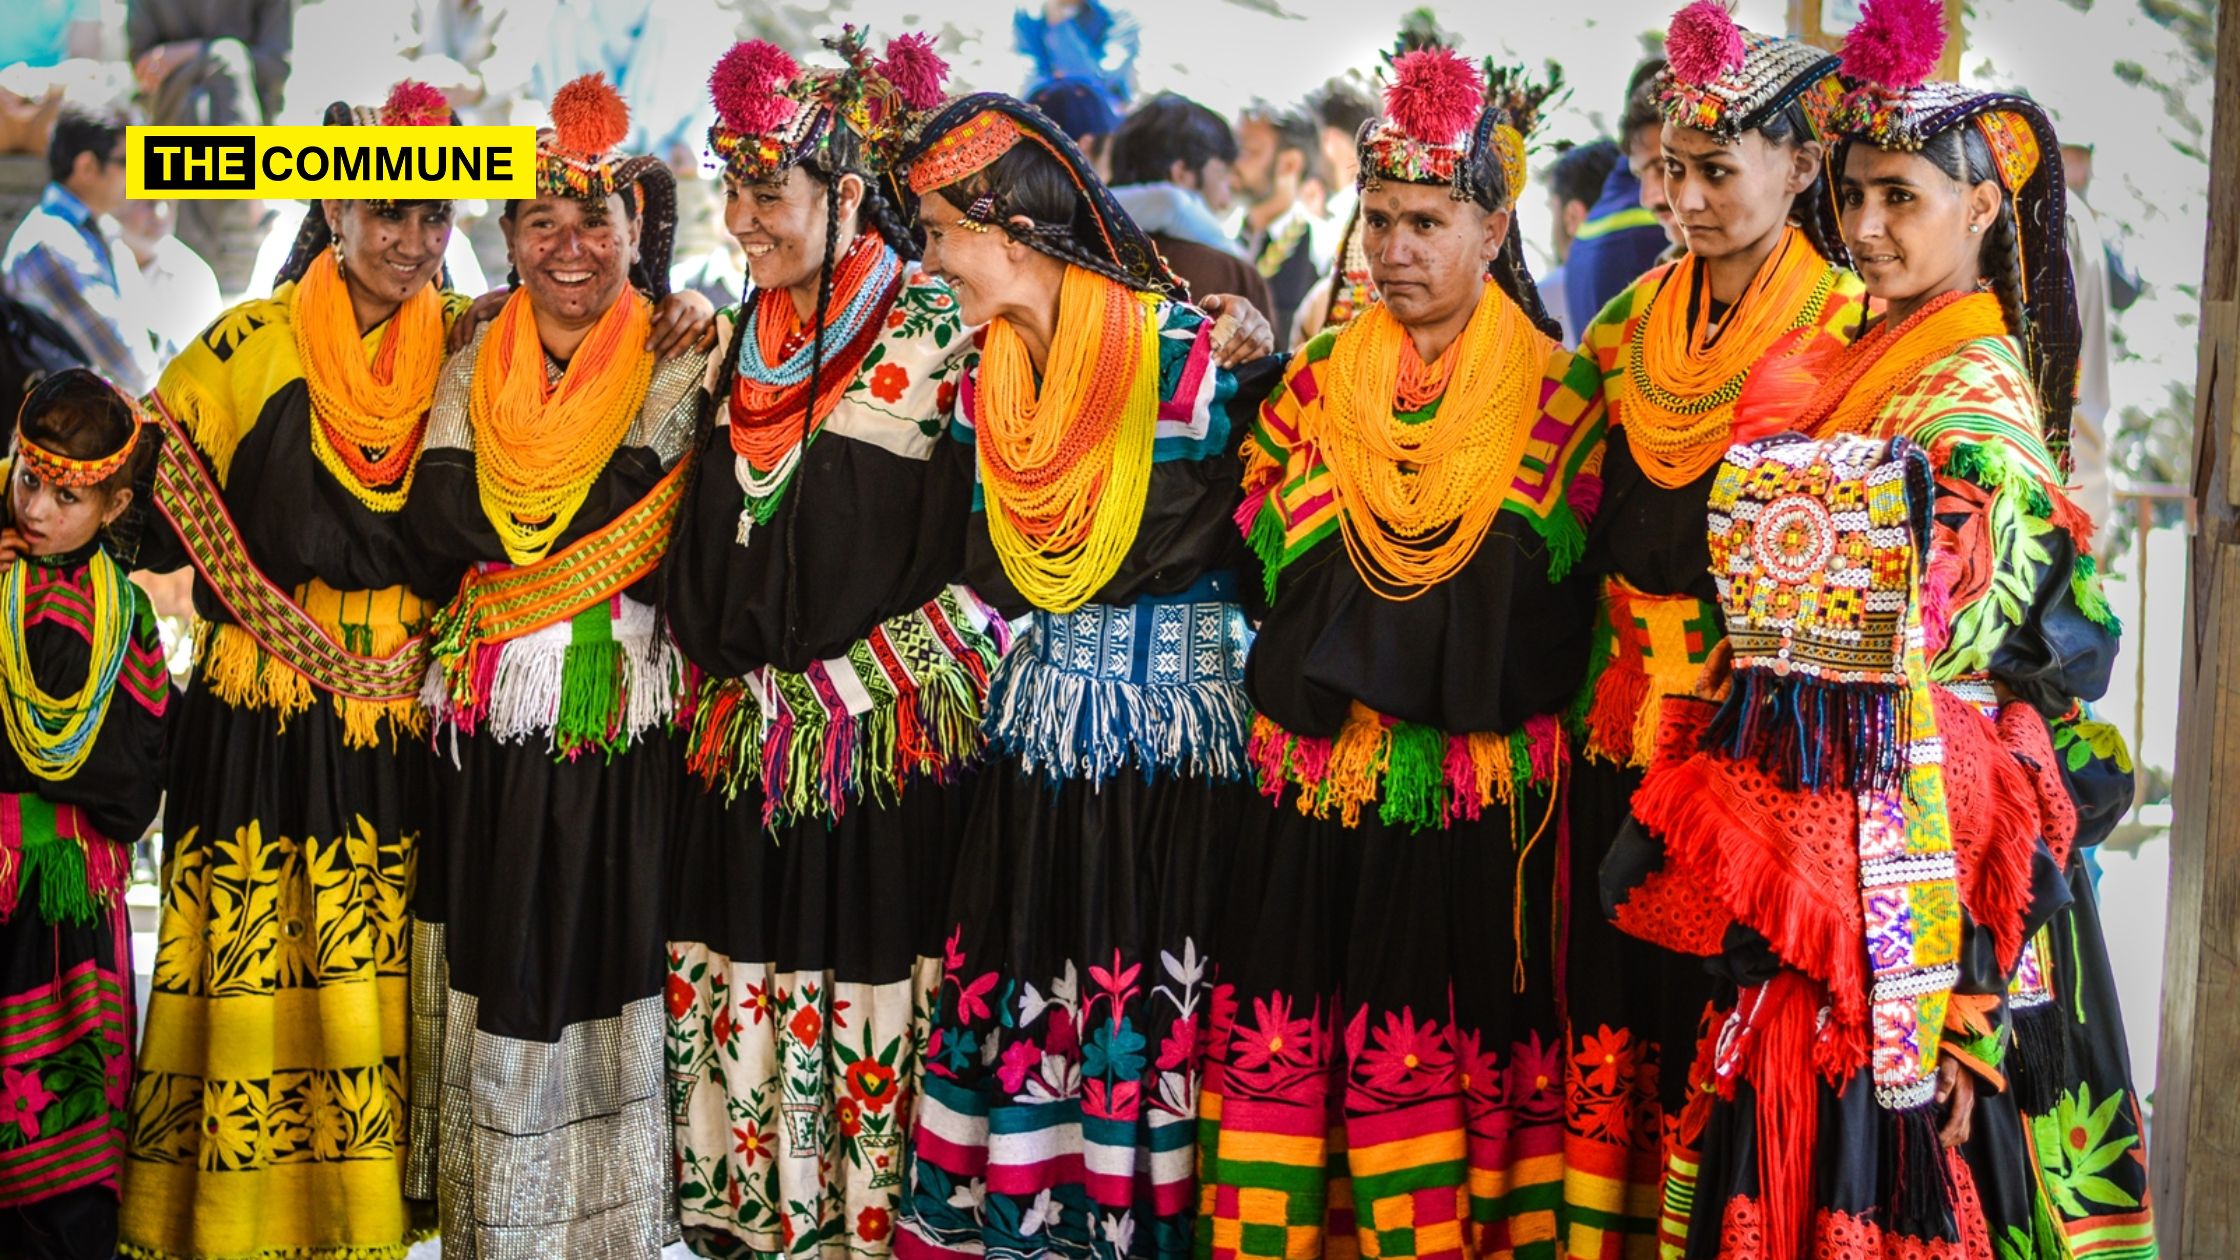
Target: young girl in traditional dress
<point>83,693</point>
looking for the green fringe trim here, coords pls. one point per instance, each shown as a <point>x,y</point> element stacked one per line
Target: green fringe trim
<point>1565,535</point>
<point>2092,598</point>
<point>60,865</point>
<point>1996,468</point>
<point>1265,538</point>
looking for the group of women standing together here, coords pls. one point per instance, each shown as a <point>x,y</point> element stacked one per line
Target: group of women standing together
<point>988,762</point>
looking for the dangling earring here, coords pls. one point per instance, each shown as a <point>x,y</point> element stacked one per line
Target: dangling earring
<point>338,264</point>
<point>1983,284</point>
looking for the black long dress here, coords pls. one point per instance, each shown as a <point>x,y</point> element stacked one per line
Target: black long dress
<point>292,819</point>
<point>66,979</point>
<point>832,744</point>
<point>540,1116</point>
<point>1384,1062</point>
<point>1061,1075</point>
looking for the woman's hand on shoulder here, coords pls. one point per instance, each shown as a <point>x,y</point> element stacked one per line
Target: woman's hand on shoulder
<point>1240,332</point>
<point>685,321</point>
<point>482,308</point>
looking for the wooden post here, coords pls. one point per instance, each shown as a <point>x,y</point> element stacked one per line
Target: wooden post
<point>2195,1158</point>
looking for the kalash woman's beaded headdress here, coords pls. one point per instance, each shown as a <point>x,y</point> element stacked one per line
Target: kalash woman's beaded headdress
<point>1889,103</point>
<point>578,156</point>
<point>771,115</point>
<point>410,103</point>
<point>1449,122</point>
<point>971,133</point>
<point>1725,80</point>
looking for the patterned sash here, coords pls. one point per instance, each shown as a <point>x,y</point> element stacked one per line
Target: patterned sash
<point>503,604</point>
<point>191,501</point>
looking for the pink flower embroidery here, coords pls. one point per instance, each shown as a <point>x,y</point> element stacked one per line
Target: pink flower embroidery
<point>22,1098</point>
<point>1406,1053</point>
<point>1019,1058</point>
<point>1275,1037</point>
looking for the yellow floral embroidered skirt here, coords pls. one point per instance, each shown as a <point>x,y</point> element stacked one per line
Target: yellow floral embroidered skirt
<point>269,1114</point>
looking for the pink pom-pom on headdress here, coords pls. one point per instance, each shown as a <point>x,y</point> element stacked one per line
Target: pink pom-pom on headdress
<point>1896,44</point>
<point>588,116</point>
<point>915,70</point>
<point>412,103</point>
<point>1435,95</point>
<point>1703,43</point>
<point>748,85</point>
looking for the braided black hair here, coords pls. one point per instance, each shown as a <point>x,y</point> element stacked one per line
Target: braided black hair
<point>1960,152</point>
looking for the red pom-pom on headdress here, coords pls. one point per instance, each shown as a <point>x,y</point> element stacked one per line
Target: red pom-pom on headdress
<point>1436,94</point>
<point>1896,44</point>
<point>1703,43</point>
<point>915,70</point>
<point>588,116</point>
<point>748,85</point>
<point>412,103</point>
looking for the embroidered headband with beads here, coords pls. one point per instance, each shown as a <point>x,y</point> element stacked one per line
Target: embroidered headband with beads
<point>57,469</point>
<point>964,151</point>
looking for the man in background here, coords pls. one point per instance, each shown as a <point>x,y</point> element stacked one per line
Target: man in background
<point>1170,170</point>
<point>1275,151</point>
<point>1339,112</point>
<point>1630,226</point>
<point>178,289</point>
<point>213,63</point>
<point>62,261</point>
<point>1085,115</point>
<point>1574,185</point>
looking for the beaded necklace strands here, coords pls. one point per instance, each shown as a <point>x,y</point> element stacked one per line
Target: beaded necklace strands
<point>1676,396</point>
<point>366,418</point>
<point>774,352</point>
<point>53,735</point>
<point>1065,469</point>
<point>1887,359</point>
<point>1417,499</point>
<point>537,447</point>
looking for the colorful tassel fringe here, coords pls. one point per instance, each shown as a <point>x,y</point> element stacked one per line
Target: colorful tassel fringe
<point>595,682</point>
<point>76,871</point>
<point>1417,777</point>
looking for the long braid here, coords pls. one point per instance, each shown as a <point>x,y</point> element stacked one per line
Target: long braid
<point>879,215</point>
<point>2001,264</point>
<point>809,401</point>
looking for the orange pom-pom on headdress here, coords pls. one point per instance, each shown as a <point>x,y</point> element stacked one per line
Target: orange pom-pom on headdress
<point>589,116</point>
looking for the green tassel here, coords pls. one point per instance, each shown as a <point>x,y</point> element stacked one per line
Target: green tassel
<point>1565,536</point>
<point>1415,777</point>
<point>1265,538</point>
<point>590,683</point>
<point>58,864</point>
<point>1602,648</point>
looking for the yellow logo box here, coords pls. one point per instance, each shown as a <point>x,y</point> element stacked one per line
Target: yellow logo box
<point>388,163</point>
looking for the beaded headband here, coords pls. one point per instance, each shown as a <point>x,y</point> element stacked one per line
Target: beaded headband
<point>1439,111</point>
<point>963,151</point>
<point>57,469</point>
<point>1726,80</point>
<point>771,115</point>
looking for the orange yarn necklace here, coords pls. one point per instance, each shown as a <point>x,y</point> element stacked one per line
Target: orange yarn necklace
<point>766,404</point>
<point>366,418</point>
<point>1888,359</point>
<point>1416,499</point>
<point>538,447</point>
<point>1064,468</point>
<point>1675,396</point>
